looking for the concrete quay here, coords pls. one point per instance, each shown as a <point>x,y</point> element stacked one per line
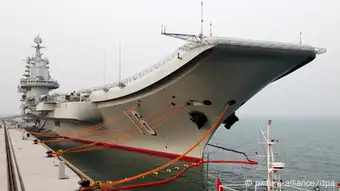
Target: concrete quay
<point>38,172</point>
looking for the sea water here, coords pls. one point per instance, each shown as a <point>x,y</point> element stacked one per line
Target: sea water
<point>309,146</point>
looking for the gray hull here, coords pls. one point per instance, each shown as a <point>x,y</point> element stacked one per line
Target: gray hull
<point>217,74</point>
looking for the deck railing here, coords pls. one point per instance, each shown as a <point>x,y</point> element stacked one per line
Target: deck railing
<point>148,70</point>
<point>192,45</point>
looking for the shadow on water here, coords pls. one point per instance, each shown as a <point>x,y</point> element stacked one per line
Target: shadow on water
<point>115,164</point>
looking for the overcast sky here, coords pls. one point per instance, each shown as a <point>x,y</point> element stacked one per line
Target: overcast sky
<point>78,33</point>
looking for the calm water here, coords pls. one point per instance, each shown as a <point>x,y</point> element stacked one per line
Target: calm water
<point>310,148</point>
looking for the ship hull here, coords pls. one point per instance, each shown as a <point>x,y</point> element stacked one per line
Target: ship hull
<point>204,85</point>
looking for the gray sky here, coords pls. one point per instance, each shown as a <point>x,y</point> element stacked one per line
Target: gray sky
<point>77,33</point>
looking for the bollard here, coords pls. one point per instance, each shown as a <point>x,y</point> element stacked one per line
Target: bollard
<point>49,154</point>
<point>23,136</point>
<point>84,183</point>
<point>62,174</point>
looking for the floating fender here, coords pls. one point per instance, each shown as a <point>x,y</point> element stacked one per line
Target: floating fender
<point>230,121</point>
<point>198,118</point>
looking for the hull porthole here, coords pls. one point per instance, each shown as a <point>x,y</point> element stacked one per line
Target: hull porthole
<point>207,102</point>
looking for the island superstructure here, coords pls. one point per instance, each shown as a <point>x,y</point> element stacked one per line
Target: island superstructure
<point>36,80</point>
<point>38,103</point>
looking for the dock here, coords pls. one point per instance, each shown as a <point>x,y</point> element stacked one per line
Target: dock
<point>27,168</point>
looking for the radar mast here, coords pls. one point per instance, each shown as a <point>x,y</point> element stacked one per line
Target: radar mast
<point>187,37</point>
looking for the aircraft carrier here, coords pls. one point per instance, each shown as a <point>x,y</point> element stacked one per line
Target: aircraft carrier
<point>166,108</point>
